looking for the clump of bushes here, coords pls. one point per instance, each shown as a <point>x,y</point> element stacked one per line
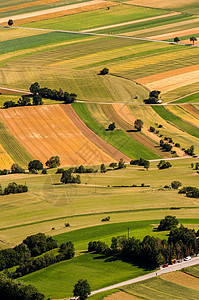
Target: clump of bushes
<point>141,162</point>
<point>14,188</point>
<point>67,177</point>
<point>190,151</point>
<point>107,219</point>
<point>53,162</point>
<point>164,165</point>
<point>190,191</point>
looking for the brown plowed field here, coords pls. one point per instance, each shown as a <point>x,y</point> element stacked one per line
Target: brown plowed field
<point>110,150</point>
<point>138,136</point>
<point>167,74</point>
<point>192,110</point>
<point>58,12</point>
<point>171,35</point>
<point>123,111</point>
<point>46,131</point>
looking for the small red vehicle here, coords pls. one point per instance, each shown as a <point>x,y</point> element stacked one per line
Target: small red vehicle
<point>166,265</point>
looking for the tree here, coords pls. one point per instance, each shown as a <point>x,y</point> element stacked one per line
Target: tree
<point>82,289</point>
<point>147,164</point>
<point>121,164</point>
<point>176,39</point>
<point>24,101</point>
<point>10,22</point>
<point>138,124</point>
<point>168,223</point>
<point>111,126</point>
<point>67,177</point>
<point>16,169</point>
<point>103,168</point>
<point>53,162</point>
<point>113,165</point>
<point>193,39</point>
<point>176,184</point>
<point>104,71</point>
<point>8,104</point>
<point>190,151</point>
<point>164,165</point>
<point>37,100</point>
<point>35,165</point>
<point>35,88</point>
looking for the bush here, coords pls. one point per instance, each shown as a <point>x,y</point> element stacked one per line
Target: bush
<point>35,165</point>
<point>14,188</point>
<point>111,126</point>
<point>168,223</point>
<point>59,171</point>
<point>177,145</point>
<point>190,151</point>
<point>104,71</point>
<point>67,177</point>
<point>164,165</point>
<point>16,169</point>
<point>152,129</point>
<point>53,162</point>
<point>176,184</point>
<point>105,219</point>
<point>44,171</point>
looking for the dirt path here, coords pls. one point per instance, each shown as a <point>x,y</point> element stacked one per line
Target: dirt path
<point>106,147</point>
<point>132,22</point>
<point>50,11</point>
<point>8,91</point>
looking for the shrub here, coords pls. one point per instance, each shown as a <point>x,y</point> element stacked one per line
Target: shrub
<point>164,165</point>
<point>105,219</point>
<point>176,184</point>
<point>152,129</point>
<point>44,171</point>
<point>111,126</point>
<point>104,71</point>
<point>177,145</point>
<point>53,162</point>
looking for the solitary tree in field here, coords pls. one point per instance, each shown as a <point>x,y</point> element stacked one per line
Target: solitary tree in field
<point>138,124</point>
<point>82,289</point>
<point>176,39</point>
<point>10,22</point>
<point>193,39</point>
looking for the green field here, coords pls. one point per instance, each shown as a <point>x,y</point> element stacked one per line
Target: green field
<point>118,138</point>
<point>193,271</point>
<point>165,114</point>
<point>57,281</point>
<point>189,99</point>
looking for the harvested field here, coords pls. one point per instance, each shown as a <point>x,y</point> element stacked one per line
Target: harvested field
<point>132,22</point>
<point>148,145</point>
<point>191,109</point>
<point>183,114</point>
<point>162,3</point>
<point>171,35</point>
<point>121,295</point>
<point>168,84</point>
<point>56,135</point>
<point>110,150</point>
<point>28,4</point>
<point>167,74</point>
<point>58,12</point>
<point>183,279</point>
<point>124,112</point>
<point>5,160</point>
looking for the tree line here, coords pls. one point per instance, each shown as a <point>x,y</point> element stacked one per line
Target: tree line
<point>151,251</point>
<point>13,188</point>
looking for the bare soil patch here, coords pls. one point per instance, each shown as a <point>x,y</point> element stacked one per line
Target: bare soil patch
<point>47,131</point>
<point>58,12</point>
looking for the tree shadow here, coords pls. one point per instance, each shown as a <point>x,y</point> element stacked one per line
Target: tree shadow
<point>132,130</point>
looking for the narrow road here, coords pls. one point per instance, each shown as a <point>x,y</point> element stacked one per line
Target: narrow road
<point>176,267</point>
<point>103,35</point>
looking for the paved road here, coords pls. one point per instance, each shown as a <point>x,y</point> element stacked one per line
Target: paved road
<point>176,267</point>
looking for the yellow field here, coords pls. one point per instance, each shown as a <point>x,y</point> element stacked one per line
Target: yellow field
<point>182,279</point>
<point>183,114</point>
<point>5,160</point>
<point>14,33</point>
<point>47,131</point>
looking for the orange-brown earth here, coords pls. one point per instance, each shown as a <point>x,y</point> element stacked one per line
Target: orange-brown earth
<point>110,150</point>
<point>29,4</point>
<point>46,131</point>
<point>191,109</point>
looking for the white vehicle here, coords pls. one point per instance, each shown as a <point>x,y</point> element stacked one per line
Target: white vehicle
<point>187,258</point>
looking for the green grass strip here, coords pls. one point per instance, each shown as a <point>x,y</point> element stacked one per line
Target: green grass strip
<point>118,139</point>
<point>168,116</point>
<point>190,98</point>
<point>16,151</point>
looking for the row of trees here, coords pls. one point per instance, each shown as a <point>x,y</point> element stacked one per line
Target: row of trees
<point>67,177</point>
<point>192,39</point>
<point>151,251</point>
<point>13,188</point>
<point>141,162</point>
<point>24,101</point>
<point>32,246</point>
<point>58,95</point>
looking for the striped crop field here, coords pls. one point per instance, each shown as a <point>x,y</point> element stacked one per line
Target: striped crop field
<point>191,109</point>
<point>168,116</point>
<point>5,160</point>
<point>186,116</point>
<point>15,151</point>
<point>97,120</point>
<point>44,137</point>
<point>158,115</point>
<point>194,271</point>
<point>174,285</point>
<point>193,98</point>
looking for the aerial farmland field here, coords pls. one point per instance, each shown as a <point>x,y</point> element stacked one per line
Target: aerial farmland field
<point>75,80</point>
